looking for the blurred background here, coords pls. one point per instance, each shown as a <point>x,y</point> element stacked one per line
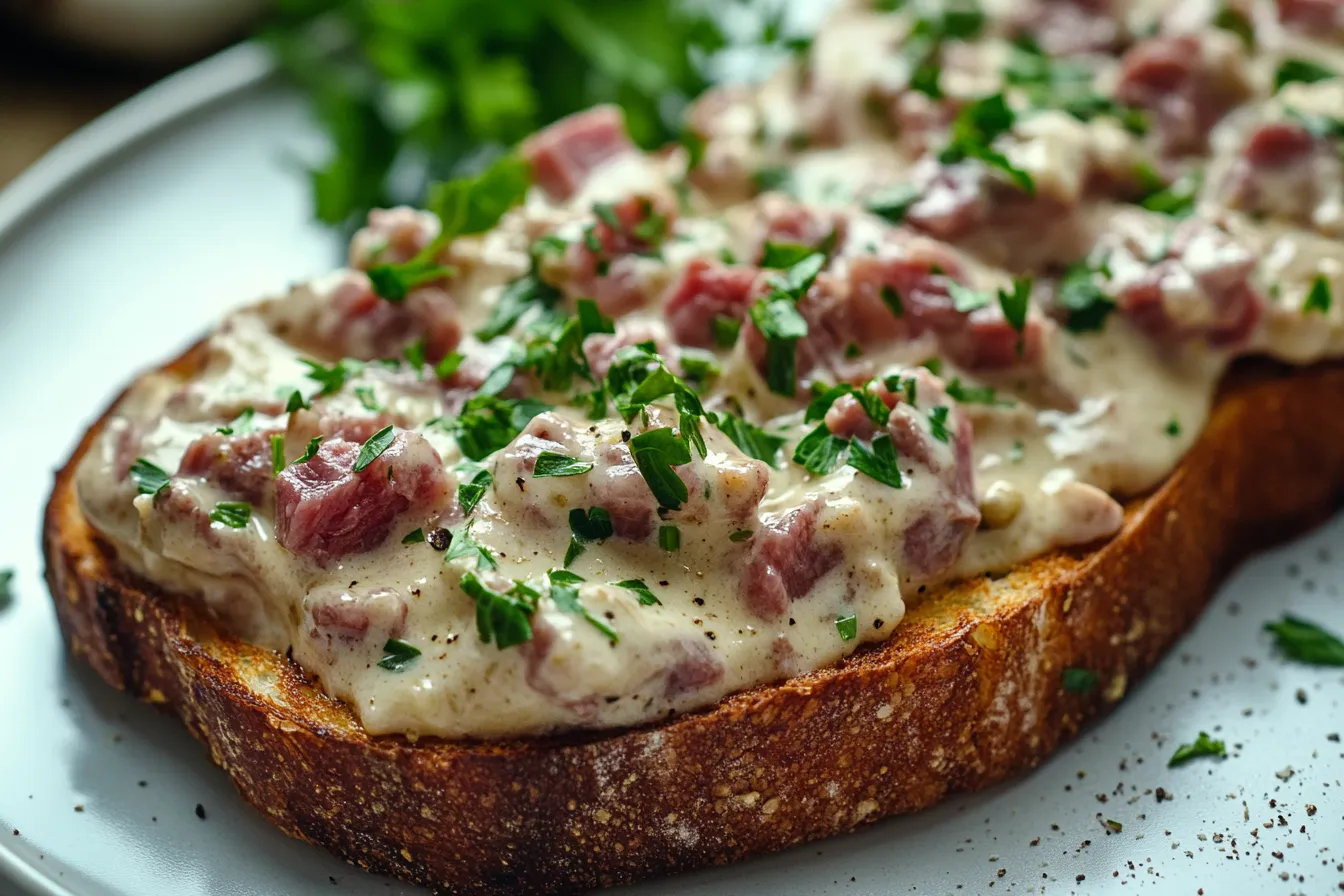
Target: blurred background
<point>407,91</point>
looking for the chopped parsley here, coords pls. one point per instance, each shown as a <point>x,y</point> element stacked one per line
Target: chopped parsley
<point>1066,85</point>
<point>741,535</point>
<point>502,618</point>
<point>923,48</point>
<point>394,282</point>
<point>6,588</point>
<point>1173,427</point>
<point>488,423</point>
<point>1237,22</point>
<point>1087,306</point>
<point>878,461</point>
<point>233,514</point>
<point>754,441</point>
<point>938,423</point>
<point>447,366</point>
<point>463,546</point>
<point>847,626</point>
<point>296,402</point>
<point>1079,681</point>
<point>309,452</point>
<point>975,129</point>
<point>522,295</point>
<point>593,524</point>
<point>1301,71</point>
<point>469,493</point>
<point>1319,298</point>
<point>646,597</point>
<point>1306,641</point>
<point>960,392</point>
<point>332,379</point>
<point>821,451</point>
<point>241,425</point>
<point>564,593</point>
<point>1017,452</point>
<point>415,536</point>
<point>656,452</point>
<point>965,299</point>
<point>725,330</point>
<point>892,299</point>
<point>367,399</point>
<point>784,255</point>
<point>277,454</point>
<point>1203,746</point>
<point>893,203</point>
<point>551,464</point>
<point>149,478</point>
<point>398,655</point>
<point>374,448</point>
<point>773,177</point>
<point>669,538</point>
<point>1176,199</point>
<point>1015,305</point>
<point>776,317</point>
<point>699,366</point>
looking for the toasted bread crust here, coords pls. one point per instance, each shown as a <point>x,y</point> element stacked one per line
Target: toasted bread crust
<point>967,692</point>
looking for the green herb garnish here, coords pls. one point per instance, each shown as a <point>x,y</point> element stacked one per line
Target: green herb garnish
<point>1319,298</point>
<point>374,448</point>
<point>1203,746</point>
<point>847,626</point>
<point>1080,681</point>
<point>149,478</point>
<point>1306,641</point>
<point>551,464</point>
<point>398,655</point>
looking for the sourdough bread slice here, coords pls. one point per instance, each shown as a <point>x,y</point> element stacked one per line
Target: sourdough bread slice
<point>966,692</point>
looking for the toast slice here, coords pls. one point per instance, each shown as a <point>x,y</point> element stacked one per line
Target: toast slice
<point>966,692</point>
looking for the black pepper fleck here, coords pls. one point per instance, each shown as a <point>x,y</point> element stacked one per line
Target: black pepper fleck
<point>200,812</point>
<point>439,539</point>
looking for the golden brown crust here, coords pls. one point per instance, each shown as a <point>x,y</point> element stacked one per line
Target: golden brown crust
<point>966,693</point>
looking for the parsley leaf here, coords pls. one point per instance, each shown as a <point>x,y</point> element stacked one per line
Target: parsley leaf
<point>1087,306</point>
<point>398,655</point>
<point>565,595</point>
<point>277,453</point>
<point>593,524</point>
<point>1176,199</point>
<point>669,538</point>
<point>1015,305</point>
<point>469,493</point>
<point>1319,298</point>
<point>975,128</point>
<point>878,462</point>
<point>415,536</point>
<point>488,423</point>
<point>725,331</point>
<point>242,424</point>
<point>374,448</point>
<point>7,590</point>
<point>394,282</point>
<point>309,452</point>
<point>504,618</point>
<point>233,514</point>
<point>646,597</point>
<point>471,205</point>
<point>958,391</point>
<point>464,546</point>
<point>847,626</point>
<point>656,452</point>
<point>754,441</point>
<point>1079,681</point>
<point>820,451</point>
<point>149,478</point>
<point>965,299</point>
<point>892,203</point>
<point>1203,746</point>
<point>551,464</point>
<point>784,255</point>
<point>1302,71</point>
<point>1306,641</point>
<point>782,326</point>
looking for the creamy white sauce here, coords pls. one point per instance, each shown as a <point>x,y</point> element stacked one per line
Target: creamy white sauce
<point>1099,414</point>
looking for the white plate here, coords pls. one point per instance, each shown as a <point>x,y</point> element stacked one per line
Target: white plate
<point>130,238</point>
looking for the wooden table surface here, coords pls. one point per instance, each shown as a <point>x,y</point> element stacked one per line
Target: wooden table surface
<point>47,92</point>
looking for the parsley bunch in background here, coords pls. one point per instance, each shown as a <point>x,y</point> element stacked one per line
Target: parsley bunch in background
<point>412,91</point>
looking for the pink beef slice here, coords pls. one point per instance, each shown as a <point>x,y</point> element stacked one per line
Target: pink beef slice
<point>1284,170</point>
<point>348,615</point>
<point>564,154</point>
<point>706,290</point>
<point>356,323</point>
<point>1224,307</point>
<point>788,558</point>
<point>1319,18</point>
<point>326,511</point>
<point>1186,84</point>
<point>239,464</point>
